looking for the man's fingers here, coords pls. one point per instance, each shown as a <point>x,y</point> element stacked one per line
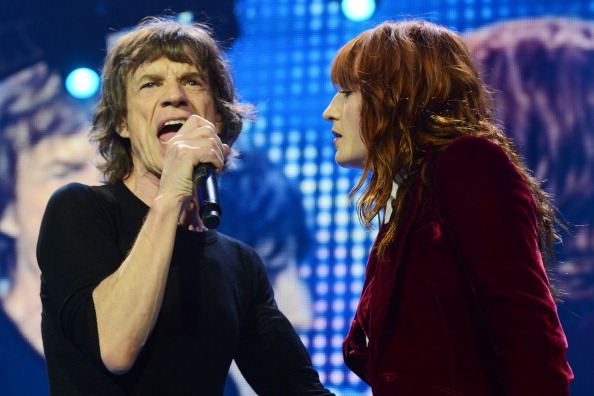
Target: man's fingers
<point>195,122</point>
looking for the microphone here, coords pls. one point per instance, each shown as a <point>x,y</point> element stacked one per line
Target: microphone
<point>206,192</point>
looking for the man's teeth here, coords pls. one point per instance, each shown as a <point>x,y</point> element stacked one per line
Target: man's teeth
<point>169,129</point>
<point>175,122</point>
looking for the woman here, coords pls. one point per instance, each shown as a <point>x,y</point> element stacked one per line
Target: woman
<point>456,299</point>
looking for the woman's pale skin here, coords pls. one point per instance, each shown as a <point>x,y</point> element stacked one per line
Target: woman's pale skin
<point>344,111</point>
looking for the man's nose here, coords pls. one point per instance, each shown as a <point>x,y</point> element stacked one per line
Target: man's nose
<point>174,95</point>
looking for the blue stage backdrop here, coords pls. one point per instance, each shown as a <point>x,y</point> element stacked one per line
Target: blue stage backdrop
<point>282,61</point>
<point>312,241</point>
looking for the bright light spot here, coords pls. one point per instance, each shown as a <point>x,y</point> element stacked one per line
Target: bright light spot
<point>186,17</point>
<point>319,341</point>
<point>358,10</point>
<point>318,359</point>
<point>82,83</point>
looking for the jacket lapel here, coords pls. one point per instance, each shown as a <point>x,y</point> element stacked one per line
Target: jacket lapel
<point>386,268</point>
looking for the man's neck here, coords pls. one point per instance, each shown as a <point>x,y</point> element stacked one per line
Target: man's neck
<point>147,188</point>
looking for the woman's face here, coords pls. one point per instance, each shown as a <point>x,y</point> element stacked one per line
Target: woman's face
<point>345,113</point>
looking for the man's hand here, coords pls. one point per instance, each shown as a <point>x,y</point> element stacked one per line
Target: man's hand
<point>196,142</point>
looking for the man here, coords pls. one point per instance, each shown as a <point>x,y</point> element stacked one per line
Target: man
<point>139,298</point>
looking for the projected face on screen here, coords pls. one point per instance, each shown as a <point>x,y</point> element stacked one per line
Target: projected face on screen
<point>45,146</point>
<point>41,170</point>
<point>277,228</point>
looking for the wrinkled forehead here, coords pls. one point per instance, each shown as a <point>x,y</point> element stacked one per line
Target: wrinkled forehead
<point>179,51</point>
<point>164,64</point>
<point>194,60</point>
<point>162,67</point>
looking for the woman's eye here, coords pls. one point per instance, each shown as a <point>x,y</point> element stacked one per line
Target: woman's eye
<point>148,85</point>
<point>345,93</point>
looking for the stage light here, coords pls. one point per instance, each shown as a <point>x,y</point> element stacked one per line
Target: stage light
<point>82,83</point>
<point>358,10</point>
<point>186,17</point>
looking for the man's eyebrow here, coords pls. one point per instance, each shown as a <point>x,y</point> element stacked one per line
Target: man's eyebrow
<point>195,74</point>
<point>156,76</point>
<point>148,76</point>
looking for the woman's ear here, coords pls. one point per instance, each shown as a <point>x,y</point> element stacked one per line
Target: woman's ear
<point>8,223</point>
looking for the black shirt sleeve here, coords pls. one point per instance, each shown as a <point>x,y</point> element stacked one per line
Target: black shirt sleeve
<point>271,355</point>
<point>76,250</point>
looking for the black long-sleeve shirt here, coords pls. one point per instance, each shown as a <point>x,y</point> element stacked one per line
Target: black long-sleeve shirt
<point>218,306</point>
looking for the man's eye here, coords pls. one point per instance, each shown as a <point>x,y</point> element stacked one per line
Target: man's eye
<point>148,85</point>
<point>60,170</point>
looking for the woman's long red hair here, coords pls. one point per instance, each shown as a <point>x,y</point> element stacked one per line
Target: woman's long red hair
<point>419,86</point>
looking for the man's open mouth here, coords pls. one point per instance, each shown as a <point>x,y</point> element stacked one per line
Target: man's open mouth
<point>169,129</point>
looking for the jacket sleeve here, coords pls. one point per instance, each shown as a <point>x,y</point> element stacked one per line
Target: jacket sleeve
<point>75,253</point>
<point>490,216</point>
<point>271,356</point>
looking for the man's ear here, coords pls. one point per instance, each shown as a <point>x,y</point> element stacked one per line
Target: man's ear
<point>122,130</point>
<point>218,123</point>
<point>8,223</point>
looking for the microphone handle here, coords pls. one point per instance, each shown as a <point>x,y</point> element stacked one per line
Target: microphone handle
<point>206,191</point>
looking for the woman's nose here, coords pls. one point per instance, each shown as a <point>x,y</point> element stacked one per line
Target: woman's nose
<point>331,113</point>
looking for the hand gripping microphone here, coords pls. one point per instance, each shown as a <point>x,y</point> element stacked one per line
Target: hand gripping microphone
<point>206,192</point>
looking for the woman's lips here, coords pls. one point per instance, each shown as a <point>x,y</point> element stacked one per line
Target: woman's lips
<point>337,137</point>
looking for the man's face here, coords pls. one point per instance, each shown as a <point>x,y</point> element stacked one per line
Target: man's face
<point>41,170</point>
<point>160,96</point>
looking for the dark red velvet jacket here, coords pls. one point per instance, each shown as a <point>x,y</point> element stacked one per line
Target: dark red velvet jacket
<point>460,305</point>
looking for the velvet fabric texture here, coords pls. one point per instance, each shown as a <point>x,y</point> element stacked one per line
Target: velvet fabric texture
<point>460,303</point>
